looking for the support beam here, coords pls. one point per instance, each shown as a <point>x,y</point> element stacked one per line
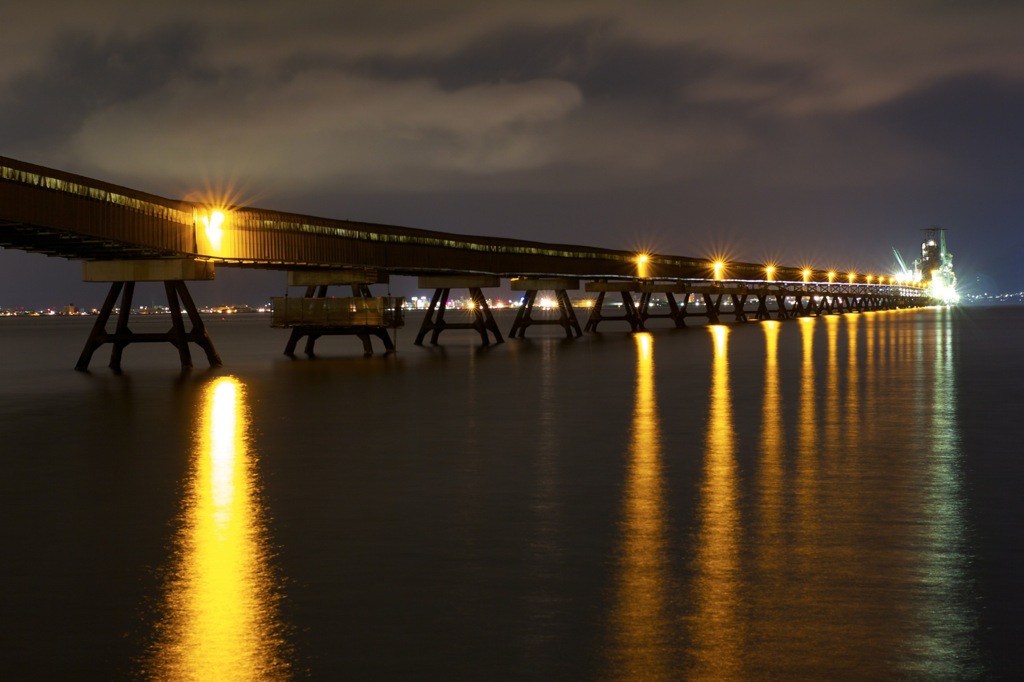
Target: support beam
<point>739,301</point>
<point>483,321</point>
<point>177,297</point>
<point>676,313</point>
<point>781,312</point>
<point>337,277</point>
<point>566,315</point>
<point>629,315</point>
<point>711,305</point>
<point>153,270</point>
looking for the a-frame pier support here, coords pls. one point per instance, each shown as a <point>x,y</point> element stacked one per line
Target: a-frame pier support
<point>764,296</point>
<point>800,309</point>
<point>739,305</point>
<point>629,315</point>
<point>677,313</point>
<point>483,321</point>
<point>123,276</point>
<point>712,306</point>
<point>566,316</point>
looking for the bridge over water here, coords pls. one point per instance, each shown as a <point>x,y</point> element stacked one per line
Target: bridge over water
<point>125,236</point>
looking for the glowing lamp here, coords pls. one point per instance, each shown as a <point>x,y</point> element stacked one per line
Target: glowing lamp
<point>641,265</point>
<point>807,275</point>
<point>213,226</point>
<point>769,272</point>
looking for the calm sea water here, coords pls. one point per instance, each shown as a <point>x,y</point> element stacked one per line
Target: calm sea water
<point>835,498</point>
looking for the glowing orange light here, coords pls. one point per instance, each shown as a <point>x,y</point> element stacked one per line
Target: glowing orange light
<point>719,267</point>
<point>852,276</point>
<point>213,225</point>
<point>769,271</point>
<point>641,265</point>
<point>868,278</point>
<point>831,276</point>
<point>807,274</point>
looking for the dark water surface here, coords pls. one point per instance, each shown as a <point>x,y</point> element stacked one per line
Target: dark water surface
<point>835,498</point>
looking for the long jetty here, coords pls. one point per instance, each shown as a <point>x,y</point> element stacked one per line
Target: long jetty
<point>125,236</point>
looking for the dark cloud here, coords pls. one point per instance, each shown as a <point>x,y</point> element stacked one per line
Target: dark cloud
<point>973,125</point>
<point>782,130</point>
<point>82,73</point>
<point>602,63</point>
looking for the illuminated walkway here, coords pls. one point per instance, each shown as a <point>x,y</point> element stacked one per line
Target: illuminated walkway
<point>127,236</point>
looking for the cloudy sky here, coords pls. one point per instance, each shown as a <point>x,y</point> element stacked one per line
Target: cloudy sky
<point>823,133</point>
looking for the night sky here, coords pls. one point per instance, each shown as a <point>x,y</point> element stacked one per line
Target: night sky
<point>817,133</point>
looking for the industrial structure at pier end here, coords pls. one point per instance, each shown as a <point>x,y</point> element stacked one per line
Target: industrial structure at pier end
<point>934,268</point>
<point>126,236</point>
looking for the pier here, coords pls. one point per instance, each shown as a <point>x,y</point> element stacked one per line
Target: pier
<point>125,236</point>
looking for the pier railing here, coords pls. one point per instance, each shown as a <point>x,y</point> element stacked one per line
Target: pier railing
<point>379,311</point>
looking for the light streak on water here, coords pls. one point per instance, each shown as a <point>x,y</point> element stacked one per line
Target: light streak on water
<point>220,617</point>
<point>641,628</point>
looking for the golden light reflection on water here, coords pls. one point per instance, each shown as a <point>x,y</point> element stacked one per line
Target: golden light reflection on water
<point>852,401</point>
<point>772,435</point>
<point>807,433</point>
<point>718,641</point>
<point>220,618</point>
<point>855,543</point>
<point>772,481</point>
<point>942,646</point>
<point>640,624</point>
<point>771,540</point>
<point>870,362</point>
<point>833,402</point>
<point>546,604</point>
